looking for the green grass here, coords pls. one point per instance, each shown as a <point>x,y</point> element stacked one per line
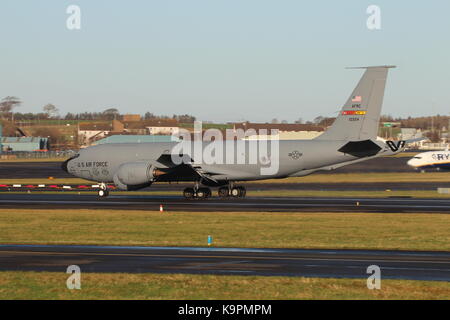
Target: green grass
<point>220,126</point>
<point>368,177</point>
<point>229,229</point>
<point>407,154</point>
<point>33,285</point>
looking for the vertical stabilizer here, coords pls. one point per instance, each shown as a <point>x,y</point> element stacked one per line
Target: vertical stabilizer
<point>359,118</point>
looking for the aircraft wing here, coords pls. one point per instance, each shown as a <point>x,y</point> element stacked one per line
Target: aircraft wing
<point>184,171</point>
<point>167,160</point>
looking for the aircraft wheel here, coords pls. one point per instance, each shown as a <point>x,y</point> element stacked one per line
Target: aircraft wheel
<point>224,192</point>
<point>188,193</point>
<point>103,193</point>
<point>203,193</point>
<point>238,192</point>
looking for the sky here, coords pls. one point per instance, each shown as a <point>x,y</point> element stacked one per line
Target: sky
<point>223,60</point>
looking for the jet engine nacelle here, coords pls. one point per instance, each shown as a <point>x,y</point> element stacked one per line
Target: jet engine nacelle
<point>135,175</point>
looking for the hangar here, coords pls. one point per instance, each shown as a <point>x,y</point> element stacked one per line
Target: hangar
<point>24,144</point>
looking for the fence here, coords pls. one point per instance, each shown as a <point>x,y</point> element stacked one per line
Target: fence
<point>37,154</point>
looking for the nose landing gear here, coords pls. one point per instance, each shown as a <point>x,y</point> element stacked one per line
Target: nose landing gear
<point>103,192</point>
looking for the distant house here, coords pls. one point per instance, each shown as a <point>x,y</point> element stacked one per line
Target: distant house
<point>156,130</point>
<point>89,132</point>
<point>153,127</point>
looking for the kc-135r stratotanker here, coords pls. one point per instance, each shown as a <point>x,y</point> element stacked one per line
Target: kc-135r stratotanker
<point>352,138</point>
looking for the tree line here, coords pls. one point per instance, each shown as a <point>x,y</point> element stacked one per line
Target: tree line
<point>50,111</point>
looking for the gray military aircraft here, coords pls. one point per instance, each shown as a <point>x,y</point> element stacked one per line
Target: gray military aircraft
<point>352,138</point>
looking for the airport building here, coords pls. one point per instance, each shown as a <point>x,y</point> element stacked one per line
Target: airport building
<point>135,139</point>
<point>24,144</point>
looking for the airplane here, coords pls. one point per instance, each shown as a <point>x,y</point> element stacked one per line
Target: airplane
<point>350,139</point>
<point>439,160</point>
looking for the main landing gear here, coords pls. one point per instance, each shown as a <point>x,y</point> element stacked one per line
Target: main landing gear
<point>224,192</point>
<point>197,193</point>
<point>235,192</point>
<point>103,192</point>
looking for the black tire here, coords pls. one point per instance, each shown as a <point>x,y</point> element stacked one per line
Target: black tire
<point>236,192</point>
<point>203,193</point>
<point>224,192</point>
<point>188,193</point>
<point>103,193</point>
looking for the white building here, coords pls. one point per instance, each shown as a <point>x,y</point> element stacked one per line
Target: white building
<point>157,130</point>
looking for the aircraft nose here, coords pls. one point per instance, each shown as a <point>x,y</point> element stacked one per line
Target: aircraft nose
<point>411,163</point>
<point>64,165</point>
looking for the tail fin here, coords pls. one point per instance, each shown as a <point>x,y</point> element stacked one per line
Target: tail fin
<point>360,116</point>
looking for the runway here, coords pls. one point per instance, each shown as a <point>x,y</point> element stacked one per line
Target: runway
<point>228,261</point>
<point>174,203</point>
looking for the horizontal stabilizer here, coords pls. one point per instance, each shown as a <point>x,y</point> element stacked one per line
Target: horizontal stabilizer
<point>361,149</point>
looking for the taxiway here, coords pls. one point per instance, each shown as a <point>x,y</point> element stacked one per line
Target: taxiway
<point>175,203</point>
<point>228,261</point>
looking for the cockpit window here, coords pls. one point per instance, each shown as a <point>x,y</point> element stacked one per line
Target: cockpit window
<point>417,158</point>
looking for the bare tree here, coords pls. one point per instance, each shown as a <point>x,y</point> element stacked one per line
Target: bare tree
<point>111,113</point>
<point>318,119</point>
<point>53,134</point>
<point>8,104</point>
<point>51,110</point>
